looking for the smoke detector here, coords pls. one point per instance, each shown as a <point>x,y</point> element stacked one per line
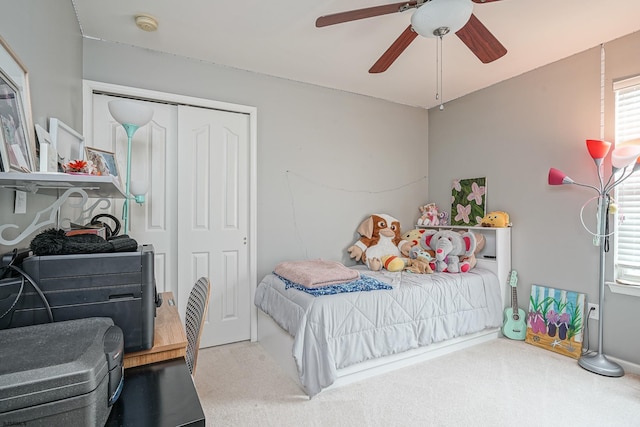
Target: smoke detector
<point>146,22</point>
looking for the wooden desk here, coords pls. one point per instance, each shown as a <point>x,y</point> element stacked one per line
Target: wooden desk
<point>169,338</point>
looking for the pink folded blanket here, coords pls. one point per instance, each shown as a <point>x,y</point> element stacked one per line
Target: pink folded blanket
<point>314,273</point>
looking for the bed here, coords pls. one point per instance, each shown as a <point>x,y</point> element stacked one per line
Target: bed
<point>329,340</point>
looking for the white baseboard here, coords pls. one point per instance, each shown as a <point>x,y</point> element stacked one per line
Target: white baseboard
<point>629,367</point>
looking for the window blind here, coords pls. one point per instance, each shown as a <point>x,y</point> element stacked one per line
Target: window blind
<point>627,194</point>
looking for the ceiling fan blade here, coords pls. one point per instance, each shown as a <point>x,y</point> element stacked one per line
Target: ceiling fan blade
<point>394,51</point>
<point>479,39</point>
<point>483,1</point>
<point>354,15</point>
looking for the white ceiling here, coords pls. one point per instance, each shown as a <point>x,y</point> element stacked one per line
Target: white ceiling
<point>279,38</point>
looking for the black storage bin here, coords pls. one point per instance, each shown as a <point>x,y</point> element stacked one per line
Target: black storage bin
<point>119,285</point>
<point>60,374</point>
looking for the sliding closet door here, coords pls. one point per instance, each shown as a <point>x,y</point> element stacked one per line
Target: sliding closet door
<point>213,217</point>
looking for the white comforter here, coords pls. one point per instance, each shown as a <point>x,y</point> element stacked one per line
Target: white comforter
<point>334,331</point>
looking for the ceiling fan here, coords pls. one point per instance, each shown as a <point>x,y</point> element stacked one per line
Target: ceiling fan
<point>432,18</point>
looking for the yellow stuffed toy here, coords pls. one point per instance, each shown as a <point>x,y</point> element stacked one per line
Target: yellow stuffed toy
<point>392,263</point>
<point>413,236</point>
<point>496,219</point>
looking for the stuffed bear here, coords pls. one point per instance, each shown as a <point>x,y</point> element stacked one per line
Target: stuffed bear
<point>497,219</point>
<point>429,215</point>
<point>413,236</point>
<point>380,238</point>
<point>418,266</point>
<point>472,260</point>
<point>449,247</point>
<point>444,218</point>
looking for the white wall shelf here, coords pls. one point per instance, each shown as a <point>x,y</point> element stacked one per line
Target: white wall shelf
<point>496,254</point>
<point>61,185</point>
<point>51,183</point>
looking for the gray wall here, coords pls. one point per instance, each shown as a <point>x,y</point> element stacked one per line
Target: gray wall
<point>512,133</point>
<point>45,35</point>
<point>326,159</point>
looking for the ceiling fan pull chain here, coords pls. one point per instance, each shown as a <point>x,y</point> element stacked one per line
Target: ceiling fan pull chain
<point>439,71</point>
<point>602,70</point>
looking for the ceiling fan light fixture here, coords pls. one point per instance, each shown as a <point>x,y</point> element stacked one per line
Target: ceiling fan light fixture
<point>429,18</point>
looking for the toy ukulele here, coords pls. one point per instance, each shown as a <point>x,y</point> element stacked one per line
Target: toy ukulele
<point>514,320</point>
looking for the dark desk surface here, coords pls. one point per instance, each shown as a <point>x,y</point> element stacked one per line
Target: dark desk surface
<point>158,395</point>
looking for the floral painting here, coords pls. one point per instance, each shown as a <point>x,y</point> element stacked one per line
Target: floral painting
<point>555,320</point>
<point>468,201</point>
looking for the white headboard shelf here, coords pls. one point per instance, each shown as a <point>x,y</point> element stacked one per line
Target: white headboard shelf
<point>496,254</point>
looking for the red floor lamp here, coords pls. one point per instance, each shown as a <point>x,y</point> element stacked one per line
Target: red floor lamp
<point>624,161</point>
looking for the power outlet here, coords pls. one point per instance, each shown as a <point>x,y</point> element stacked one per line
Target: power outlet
<point>595,313</point>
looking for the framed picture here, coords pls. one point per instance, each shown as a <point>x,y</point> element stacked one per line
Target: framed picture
<point>48,152</point>
<point>68,142</point>
<point>4,159</point>
<point>556,320</point>
<point>16,123</point>
<point>104,161</point>
<point>468,201</point>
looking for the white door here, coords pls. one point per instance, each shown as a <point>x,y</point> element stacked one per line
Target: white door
<point>197,209</point>
<point>213,213</point>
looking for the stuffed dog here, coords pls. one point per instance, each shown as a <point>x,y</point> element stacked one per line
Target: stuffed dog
<point>380,240</point>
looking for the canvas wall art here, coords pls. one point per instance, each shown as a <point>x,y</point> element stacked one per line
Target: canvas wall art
<point>468,201</point>
<point>555,320</point>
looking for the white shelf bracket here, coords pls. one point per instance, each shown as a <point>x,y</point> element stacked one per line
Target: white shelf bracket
<point>44,217</point>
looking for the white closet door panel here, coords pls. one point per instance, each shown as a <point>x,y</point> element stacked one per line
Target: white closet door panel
<point>154,161</point>
<point>231,219</point>
<point>213,216</point>
<point>230,272</point>
<point>201,177</point>
<point>157,216</point>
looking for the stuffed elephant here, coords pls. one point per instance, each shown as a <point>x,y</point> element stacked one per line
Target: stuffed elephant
<point>450,246</point>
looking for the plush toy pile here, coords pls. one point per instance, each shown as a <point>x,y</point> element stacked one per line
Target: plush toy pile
<point>419,251</point>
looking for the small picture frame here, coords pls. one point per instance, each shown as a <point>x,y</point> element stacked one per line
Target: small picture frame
<point>48,152</point>
<point>104,162</point>
<point>68,142</point>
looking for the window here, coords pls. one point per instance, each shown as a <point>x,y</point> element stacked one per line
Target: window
<point>627,195</point>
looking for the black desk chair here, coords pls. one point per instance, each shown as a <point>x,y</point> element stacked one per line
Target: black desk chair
<point>194,319</point>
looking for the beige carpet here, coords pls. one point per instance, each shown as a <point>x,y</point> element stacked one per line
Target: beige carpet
<point>499,383</point>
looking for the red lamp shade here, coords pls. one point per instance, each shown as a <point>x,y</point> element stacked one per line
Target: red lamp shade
<point>557,177</point>
<point>598,149</point>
